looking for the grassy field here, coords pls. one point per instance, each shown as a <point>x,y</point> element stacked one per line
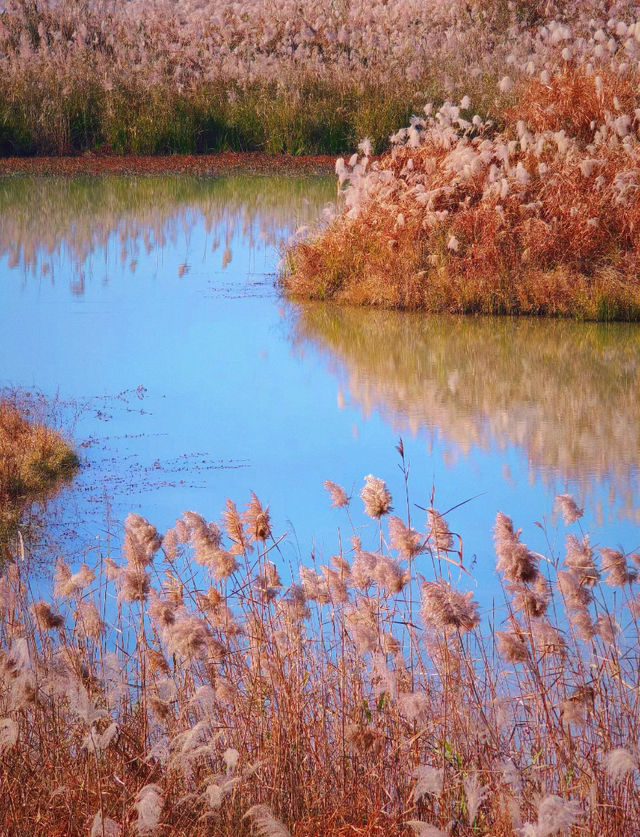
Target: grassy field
<point>159,78</point>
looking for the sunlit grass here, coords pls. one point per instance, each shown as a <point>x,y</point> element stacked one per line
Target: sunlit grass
<point>162,77</point>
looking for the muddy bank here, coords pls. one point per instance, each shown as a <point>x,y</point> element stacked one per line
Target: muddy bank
<point>227,162</point>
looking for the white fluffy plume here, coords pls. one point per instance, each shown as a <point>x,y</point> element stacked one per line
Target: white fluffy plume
<point>264,823</point>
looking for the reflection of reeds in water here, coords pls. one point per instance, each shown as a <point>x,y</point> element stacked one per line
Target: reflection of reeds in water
<point>45,218</point>
<point>565,392</point>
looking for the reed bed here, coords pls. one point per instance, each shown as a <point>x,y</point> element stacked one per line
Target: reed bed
<point>199,75</point>
<point>185,688</point>
<point>535,210</point>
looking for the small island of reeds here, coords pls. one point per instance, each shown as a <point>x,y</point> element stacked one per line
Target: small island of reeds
<point>534,210</point>
<point>35,461</point>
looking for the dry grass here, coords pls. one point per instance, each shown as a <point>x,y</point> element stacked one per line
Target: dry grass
<point>540,218</point>
<point>34,462</point>
<point>188,690</point>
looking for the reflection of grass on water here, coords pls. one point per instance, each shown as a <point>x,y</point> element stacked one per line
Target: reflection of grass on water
<point>565,392</point>
<point>35,461</point>
<point>43,215</point>
<point>361,699</point>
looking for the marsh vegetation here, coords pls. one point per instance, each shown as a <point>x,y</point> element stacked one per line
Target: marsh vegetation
<point>153,77</point>
<point>215,676</point>
<point>533,209</point>
<point>190,687</point>
<point>35,462</point>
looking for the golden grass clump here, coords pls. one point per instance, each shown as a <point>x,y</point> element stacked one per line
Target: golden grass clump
<point>539,217</point>
<point>372,696</point>
<point>35,460</point>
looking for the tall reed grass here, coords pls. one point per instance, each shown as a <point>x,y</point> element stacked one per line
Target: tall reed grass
<point>186,688</point>
<point>533,211</point>
<point>157,76</point>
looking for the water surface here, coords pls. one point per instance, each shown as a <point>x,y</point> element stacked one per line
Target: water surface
<point>148,306</point>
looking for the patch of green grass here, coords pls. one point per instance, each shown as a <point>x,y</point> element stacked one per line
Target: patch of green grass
<point>305,116</point>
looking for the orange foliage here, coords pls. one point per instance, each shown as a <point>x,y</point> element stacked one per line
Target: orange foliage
<point>573,101</point>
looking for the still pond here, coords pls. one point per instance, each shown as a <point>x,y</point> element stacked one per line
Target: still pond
<point>147,310</point>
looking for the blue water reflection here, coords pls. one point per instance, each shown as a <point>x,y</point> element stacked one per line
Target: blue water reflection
<point>150,303</point>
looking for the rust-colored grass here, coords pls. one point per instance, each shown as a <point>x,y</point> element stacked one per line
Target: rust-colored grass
<point>571,101</point>
<point>560,238</point>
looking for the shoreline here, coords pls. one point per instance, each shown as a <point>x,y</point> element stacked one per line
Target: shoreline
<point>199,165</point>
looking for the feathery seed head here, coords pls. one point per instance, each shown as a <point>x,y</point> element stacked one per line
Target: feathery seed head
<point>265,823</point>
<point>429,780</point>
<point>443,607</point>
<point>88,620</point>
<point>388,574</point>
<point>257,520</point>
<point>619,763</point>
<point>162,611</point>
<point>531,603</point>
<point>412,705</point>
<point>556,814</point>
<point>439,532</point>
<point>512,647</point>
<point>46,617</point>
<point>234,529</point>
<point>134,583</point>
<point>606,628</point>
<point>104,827</point>
<point>547,638</point>
<point>189,636</point>
<point>515,561</point>
<point>578,705</point>
<point>376,497</point>
<point>475,794</point>
<point>580,560</point>
<point>148,805</point>
<point>407,541</point>
<point>141,540</point>
<point>569,508</point>
<point>337,493</point>
<point>614,563</point>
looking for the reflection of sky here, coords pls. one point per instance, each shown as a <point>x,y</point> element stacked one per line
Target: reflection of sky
<point>231,405</point>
